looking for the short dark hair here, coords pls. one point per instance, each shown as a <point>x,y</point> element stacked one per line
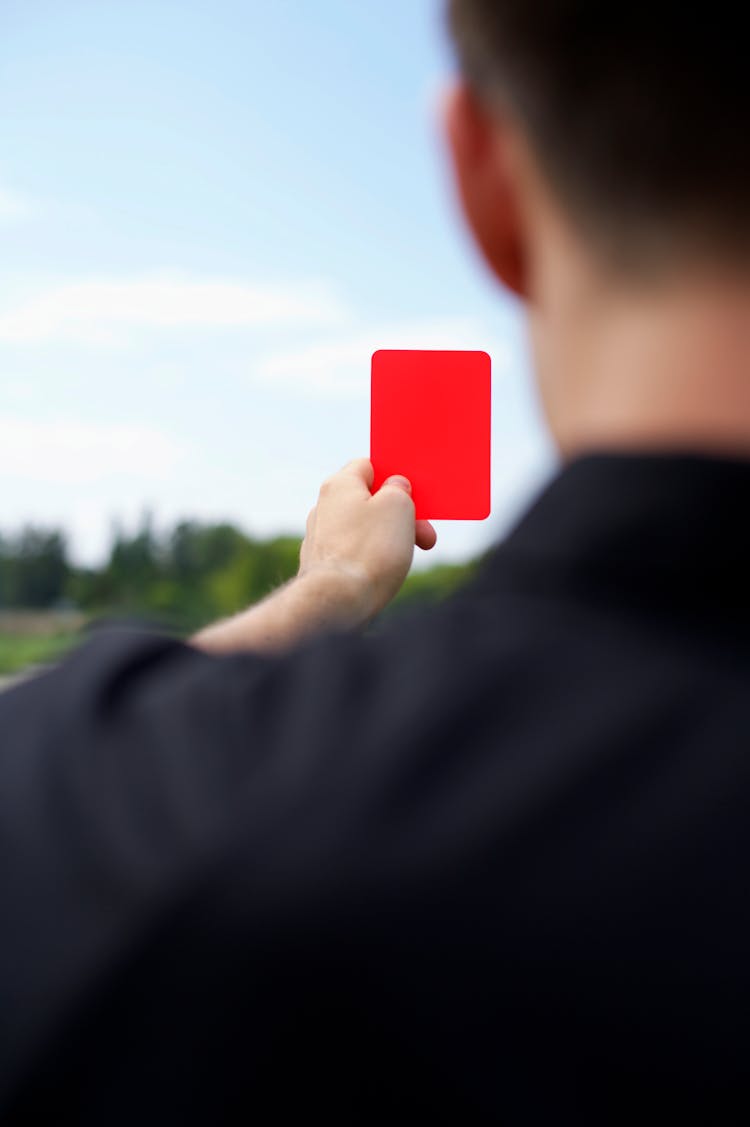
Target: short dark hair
<point>637,112</point>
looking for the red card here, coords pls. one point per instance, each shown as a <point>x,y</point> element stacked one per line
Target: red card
<point>431,422</point>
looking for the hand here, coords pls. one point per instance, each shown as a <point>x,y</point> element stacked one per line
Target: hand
<point>354,558</point>
<point>365,540</point>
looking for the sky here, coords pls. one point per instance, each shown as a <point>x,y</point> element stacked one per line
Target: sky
<point>211,214</point>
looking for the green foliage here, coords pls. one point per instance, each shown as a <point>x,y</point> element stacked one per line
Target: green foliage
<point>186,577</point>
<point>33,568</point>
<point>180,579</point>
<point>434,584</point>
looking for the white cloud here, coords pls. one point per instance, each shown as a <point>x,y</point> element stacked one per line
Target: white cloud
<point>340,365</point>
<point>70,452</point>
<point>12,206</point>
<point>99,310</point>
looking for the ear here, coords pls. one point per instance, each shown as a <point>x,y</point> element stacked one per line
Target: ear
<point>481,152</point>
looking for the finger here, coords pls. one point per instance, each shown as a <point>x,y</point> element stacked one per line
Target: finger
<point>426,536</point>
<point>397,481</point>
<point>394,497</point>
<point>360,468</point>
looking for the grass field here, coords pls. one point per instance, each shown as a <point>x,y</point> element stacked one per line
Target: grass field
<point>28,639</point>
<point>18,653</point>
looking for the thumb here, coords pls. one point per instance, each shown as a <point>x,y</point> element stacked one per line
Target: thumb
<point>399,482</point>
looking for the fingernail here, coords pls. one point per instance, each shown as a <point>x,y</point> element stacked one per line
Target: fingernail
<point>401,482</point>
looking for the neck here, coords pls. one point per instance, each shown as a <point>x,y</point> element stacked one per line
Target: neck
<point>659,368</point>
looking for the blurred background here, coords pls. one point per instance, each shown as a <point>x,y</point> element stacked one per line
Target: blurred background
<point>211,214</point>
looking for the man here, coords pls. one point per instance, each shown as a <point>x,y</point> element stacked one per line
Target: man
<point>491,864</point>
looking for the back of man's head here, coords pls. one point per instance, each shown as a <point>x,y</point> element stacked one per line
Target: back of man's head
<point>637,113</point>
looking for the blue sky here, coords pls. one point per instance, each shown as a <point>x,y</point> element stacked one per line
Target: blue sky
<point>210,215</point>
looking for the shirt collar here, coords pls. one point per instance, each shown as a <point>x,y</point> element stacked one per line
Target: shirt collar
<point>648,520</point>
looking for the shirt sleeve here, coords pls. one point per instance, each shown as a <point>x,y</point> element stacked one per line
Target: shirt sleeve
<point>125,775</point>
<point>199,857</point>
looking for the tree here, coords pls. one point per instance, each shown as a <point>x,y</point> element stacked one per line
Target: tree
<point>34,568</point>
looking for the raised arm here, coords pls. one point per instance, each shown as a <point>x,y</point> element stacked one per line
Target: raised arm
<point>356,554</point>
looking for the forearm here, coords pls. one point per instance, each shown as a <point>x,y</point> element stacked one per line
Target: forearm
<point>320,600</point>
<point>357,551</point>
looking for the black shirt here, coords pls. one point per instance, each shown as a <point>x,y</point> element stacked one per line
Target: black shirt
<point>488,864</point>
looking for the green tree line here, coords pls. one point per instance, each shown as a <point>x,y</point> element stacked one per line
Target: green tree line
<point>181,578</point>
